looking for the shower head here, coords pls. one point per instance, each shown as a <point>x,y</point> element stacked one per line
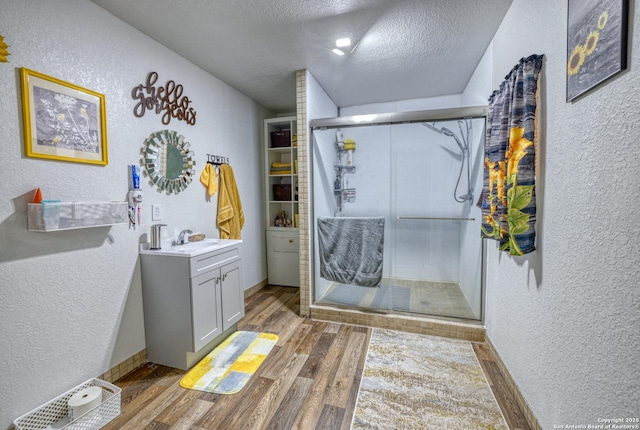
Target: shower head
<point>464,148</point>
<point>447,132</point>
<point>450,133</point>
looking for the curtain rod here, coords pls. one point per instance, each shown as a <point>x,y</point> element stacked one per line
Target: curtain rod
<point>400,117</point>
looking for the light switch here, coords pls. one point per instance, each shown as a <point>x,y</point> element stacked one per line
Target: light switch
<point>156,212</point>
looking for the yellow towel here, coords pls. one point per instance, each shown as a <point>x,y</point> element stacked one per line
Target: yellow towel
<point>230,215</point>
<point>208,178</point>
<point>276,164</point>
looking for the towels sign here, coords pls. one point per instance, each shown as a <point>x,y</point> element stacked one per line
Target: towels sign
<point>167,99</point>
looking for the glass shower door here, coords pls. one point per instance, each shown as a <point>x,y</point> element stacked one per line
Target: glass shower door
<point>430,271</point>
<point>409,174</point>
<point>368,182</point>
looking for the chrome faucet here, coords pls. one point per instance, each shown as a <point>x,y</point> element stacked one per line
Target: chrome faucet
<point>180,240</point>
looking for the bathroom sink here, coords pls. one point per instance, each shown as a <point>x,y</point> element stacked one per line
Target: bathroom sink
<point>189,249</point>
<point>192,246</point>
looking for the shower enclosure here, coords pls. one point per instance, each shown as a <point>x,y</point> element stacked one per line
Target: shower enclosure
<point>422,173</point>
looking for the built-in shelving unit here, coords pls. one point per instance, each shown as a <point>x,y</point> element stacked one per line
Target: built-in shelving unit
<point>54,216</point>
<point>281,191</point>
<point>282,172</point>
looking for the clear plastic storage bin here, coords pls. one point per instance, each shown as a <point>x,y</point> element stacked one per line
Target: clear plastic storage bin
<point>51,216</point>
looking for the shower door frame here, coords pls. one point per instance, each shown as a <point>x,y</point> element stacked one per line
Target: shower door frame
<point>449,114</point>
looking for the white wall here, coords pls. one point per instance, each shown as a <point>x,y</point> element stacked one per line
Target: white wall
<point>478,89</point>
<point>442,102</point>
<point>319,105</point>
<point>566,318</point>
<point>71,304</point>
<point>476,93</point>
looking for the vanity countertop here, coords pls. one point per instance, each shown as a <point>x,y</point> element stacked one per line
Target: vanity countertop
<point>190,249</point>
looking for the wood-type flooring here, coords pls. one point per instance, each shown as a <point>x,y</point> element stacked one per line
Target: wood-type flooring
<point>309,380</point>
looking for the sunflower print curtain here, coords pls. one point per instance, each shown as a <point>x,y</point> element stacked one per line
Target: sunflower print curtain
<point>508,193</point>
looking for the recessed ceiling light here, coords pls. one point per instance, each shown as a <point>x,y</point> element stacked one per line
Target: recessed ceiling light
<point>337,51</point>
<point>343,41</point>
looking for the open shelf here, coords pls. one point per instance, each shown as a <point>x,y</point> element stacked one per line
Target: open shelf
<point>281,155</point>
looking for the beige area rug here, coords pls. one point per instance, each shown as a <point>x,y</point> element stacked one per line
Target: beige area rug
<point>414,381</point>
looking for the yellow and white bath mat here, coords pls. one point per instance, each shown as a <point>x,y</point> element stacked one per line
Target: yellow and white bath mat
<point>228,368</point>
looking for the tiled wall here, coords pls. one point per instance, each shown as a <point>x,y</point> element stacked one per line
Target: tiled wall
<point>125,367</point>
<point>450,329</point>
<point>303,189</point>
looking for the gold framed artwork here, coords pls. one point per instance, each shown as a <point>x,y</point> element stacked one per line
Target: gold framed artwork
<point>3,50</point>
<point>63,121</point>
<point>596,43</point>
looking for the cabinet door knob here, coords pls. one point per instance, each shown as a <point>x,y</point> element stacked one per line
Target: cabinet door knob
<point>290,240</point>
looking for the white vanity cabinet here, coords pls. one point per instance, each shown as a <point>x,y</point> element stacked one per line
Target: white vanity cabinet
<point>216,289</point>
<point>191,303</point>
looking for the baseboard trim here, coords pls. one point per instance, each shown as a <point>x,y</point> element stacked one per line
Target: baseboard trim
<point>257,287</point>
<point>137,360</point>
<point>513,387</point>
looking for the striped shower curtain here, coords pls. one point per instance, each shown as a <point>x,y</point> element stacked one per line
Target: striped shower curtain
<point>508,193</point>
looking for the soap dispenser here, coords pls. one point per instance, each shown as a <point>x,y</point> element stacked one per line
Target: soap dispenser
<point>156,242</point>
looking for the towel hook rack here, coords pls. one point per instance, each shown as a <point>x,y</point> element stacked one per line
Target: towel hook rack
<point>217,160</point>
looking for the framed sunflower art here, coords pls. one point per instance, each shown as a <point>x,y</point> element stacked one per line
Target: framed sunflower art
<point>596,43</point>
<point>62,121</point>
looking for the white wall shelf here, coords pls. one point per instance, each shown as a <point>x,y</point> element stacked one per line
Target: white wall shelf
<point>55,216</point>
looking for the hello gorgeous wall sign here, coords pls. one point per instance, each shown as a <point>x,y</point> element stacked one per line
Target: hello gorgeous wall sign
<point>166,100</point>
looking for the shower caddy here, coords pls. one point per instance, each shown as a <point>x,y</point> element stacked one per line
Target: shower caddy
<point>343,194</point>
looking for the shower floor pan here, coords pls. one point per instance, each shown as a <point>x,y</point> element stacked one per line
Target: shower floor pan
<point>444,299</point>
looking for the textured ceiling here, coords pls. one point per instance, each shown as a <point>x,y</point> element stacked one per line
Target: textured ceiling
<point>406,48</point>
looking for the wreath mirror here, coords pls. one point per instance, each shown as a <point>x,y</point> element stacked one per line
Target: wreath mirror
<point>167,161</point>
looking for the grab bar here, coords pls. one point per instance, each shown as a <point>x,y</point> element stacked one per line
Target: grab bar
<point>436,218</point>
